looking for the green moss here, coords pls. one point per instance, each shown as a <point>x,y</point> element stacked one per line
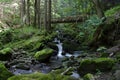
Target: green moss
<point>35,76</point>
<point>40,76</point>
<point>4,73</point>
<point>88,77</point>
<point>43,54</point>
<point>103,54</point>
<point>5,53</point>
<point>117,56</point>
<point>31,44</point>
<point>102,64</point>
<point>112,11</point>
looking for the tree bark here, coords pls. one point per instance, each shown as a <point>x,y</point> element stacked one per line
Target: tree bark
<point>38,5</point>
<point>98,7</point>
<point>35,13</point>
<point>45,12</point>
<point>49,14</point>
<point>28,12</point>
<point>23,12</point>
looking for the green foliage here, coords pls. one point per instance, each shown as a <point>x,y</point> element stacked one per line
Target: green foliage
<point>41,76</point>
<point>93,21</point>
<point>88,77</point>
<point>112,11</point>
<point>6,0</point>
<point>73,7</point>
<point>6,51</point>
<point>4,73</point>
<point>6,36</point>
<point>101,49</point>
<point>12,35</point>
<point>87,29</point>
<point>27,38</point>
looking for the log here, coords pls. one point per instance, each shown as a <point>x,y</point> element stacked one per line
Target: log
<point>71,19</point>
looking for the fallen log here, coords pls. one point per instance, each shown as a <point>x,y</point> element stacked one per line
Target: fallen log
<point>71,19</point>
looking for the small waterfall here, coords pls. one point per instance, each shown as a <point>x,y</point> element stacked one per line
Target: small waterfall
<point>60,48</point>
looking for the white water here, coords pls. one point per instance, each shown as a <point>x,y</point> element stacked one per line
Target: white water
<point>60,49</point>
<point>76,75</point>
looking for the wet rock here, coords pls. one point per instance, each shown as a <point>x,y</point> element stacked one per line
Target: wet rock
<point>83,55</point>
<point>5,54</point>
<point>68,46</point>
<point>117,75</point>
<point>114,49</point>
<point>22,66</point>
<point>88,77</point>
<point>117,56</point>
<point>4,73</point>
<point>53,46</point>
<point>91,65</point>
<point>70,62</point>
<point>44,54</point>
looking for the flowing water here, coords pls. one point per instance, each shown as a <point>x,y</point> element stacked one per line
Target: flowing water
<point>47,67</point>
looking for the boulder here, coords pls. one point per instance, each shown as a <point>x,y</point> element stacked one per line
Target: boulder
<point>5,54</point>
<point>22,66</point>
<point>93,65</point>
<point>117,75</point>
<point>117,56</point>
<point>88,77</point>
<point>44,54</point>
<point>4,73</point>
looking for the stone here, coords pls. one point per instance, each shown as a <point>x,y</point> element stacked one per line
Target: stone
<point>5,54</point>
<point>22,66</point>
<point>92,65</point>
<point>117,75</point>
<point>44,54</point>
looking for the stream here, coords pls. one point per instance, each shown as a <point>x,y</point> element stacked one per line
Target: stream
<point>27,65</point>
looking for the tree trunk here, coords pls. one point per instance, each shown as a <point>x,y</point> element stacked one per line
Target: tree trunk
<point>98,7</point>
<point>35,13</point>
<point>39,22</point>
<point>23,12</point>
<point>28,12</point>
<point>49,14</point>
<point>45,12</point>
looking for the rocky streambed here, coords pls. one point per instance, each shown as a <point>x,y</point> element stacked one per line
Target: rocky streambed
<point>78,64</point>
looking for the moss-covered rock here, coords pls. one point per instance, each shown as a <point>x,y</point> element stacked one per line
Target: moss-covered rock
<point>88,77</point>
<point>117,75</point>
<point>40,76</point>
<point>4,73</point>
<point>117,56</point>
<point>92,65</point>
<point>5,54</point>
<point>43,54</point>
<point>104,54</point>
<point>68,46</point>
<point>33,44</point>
